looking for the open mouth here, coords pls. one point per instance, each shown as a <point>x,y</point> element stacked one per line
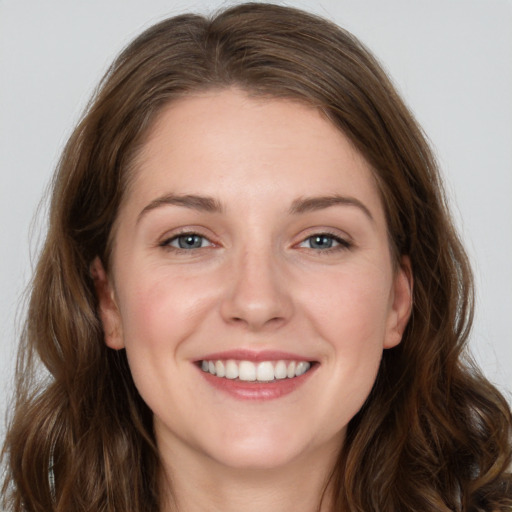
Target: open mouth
<point>249,371</point>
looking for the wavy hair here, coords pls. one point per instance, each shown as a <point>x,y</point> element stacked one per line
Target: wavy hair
<point>433,435</point>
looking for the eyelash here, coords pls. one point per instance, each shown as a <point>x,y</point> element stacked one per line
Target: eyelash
<point>166,244</point>
<point>341,243</point>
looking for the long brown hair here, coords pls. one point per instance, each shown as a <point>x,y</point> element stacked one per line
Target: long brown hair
<point>433,435</point>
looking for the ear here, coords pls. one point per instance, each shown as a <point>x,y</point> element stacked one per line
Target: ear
<point>401,303</point>
<point>108,310</point>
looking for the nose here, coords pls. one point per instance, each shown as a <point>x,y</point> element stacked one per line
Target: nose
<point>257,294</point>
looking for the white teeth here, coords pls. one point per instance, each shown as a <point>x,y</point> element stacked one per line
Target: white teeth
<point>280,371</point>
<point>264,371</point>
<point>219,369</point>
<point>302,368</point>
<point>246,370</point>
<point>231,369</point>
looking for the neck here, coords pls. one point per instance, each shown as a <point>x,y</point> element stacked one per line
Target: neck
<point>199,484</point>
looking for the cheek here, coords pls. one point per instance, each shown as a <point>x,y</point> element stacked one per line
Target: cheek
<point>159,313</point>
<point>154,313</point>
<point>350,312</point>
<point>346,313</point>
<point>161,308</point>
<point>351,307</point>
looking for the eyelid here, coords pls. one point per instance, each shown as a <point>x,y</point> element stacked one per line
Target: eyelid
<point>202,240</point>
<point>165,241</point>
<point>344,241</point>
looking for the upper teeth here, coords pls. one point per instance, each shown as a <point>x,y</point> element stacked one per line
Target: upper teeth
<point>263,371</point>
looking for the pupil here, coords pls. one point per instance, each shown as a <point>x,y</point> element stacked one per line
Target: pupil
<point>189,241</point>
<point>321,242</point>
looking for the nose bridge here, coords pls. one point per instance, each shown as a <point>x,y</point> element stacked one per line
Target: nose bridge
<point>256,295</point>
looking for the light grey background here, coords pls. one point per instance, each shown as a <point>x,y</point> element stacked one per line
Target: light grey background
<point>451,60</point>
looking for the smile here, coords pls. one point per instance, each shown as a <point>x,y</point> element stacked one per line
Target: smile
<point>248,371</point>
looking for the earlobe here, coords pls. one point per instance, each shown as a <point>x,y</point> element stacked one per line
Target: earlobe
<point>107,306</point>
<point>402,303</point>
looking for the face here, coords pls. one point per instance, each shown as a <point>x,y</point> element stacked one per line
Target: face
<point>252,284</point>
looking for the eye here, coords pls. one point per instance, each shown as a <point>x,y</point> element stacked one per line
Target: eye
<point>324,241</point>
<point>187,241</point>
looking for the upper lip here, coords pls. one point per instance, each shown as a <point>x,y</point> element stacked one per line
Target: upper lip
<point>254,355</point>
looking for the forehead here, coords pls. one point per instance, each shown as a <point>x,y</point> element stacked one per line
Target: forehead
<point>243,147</point>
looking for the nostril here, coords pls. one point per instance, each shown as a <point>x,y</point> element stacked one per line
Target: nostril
<point>255,323</point>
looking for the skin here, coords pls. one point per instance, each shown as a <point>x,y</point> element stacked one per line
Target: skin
<point>257,282</point>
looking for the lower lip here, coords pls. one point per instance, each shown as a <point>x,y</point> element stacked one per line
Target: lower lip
<point>254,390</point>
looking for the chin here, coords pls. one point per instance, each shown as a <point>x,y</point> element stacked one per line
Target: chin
<point>262,450</point>
<point>257,456</point>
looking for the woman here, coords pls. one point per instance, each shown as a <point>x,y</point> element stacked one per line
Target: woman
<point>251,294</point>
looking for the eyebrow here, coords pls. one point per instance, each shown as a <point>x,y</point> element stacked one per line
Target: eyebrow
<point>310,204</point>
<point>212,205</point>
<point>195,202</point>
